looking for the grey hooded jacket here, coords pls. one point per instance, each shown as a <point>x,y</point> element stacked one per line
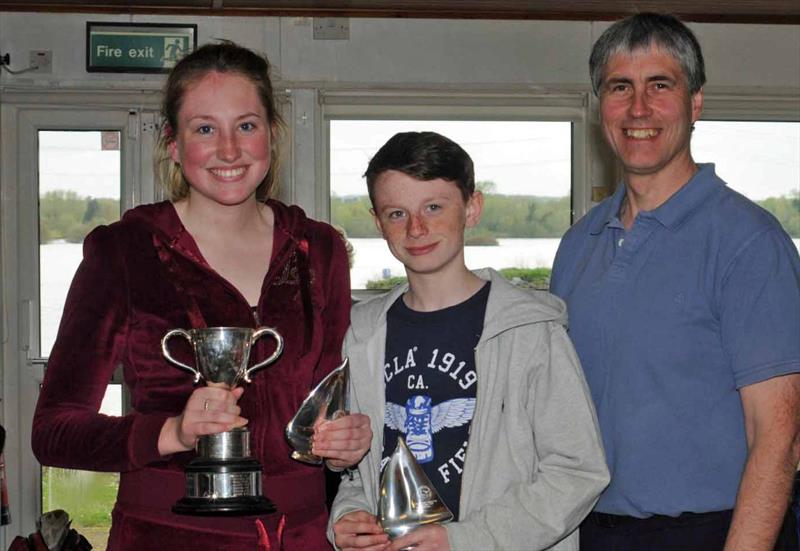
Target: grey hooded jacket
<point>534,465</point>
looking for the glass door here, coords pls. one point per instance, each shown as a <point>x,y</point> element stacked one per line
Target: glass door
<point>80,180</point>
<point>78,169</point>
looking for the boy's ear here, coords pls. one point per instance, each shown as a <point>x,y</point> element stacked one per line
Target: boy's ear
<point>376,220</point>
<point>474,209</point>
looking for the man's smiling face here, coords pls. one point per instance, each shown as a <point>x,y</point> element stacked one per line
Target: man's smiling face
<point>647,111</point>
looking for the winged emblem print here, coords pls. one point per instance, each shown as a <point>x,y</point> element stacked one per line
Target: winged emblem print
<point>419,420</point>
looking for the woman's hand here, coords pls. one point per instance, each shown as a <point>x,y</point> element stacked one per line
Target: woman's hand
<point>425,538</point>
<point>209,410</point>
<point>342,442</point>
<point>359,530</point>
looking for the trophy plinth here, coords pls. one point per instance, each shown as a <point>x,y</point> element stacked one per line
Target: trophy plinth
<point>328,401</point>
<point>224,478</point>
<point>408,499</point>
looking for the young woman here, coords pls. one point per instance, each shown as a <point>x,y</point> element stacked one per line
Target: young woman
<point>219,252</point>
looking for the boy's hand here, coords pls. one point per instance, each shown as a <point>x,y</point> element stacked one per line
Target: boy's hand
<point>359,530</point>
<point>343,442</point>
<point>425,538</point>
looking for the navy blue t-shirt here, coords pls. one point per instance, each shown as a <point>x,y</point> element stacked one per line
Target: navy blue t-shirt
<point>431,384</point>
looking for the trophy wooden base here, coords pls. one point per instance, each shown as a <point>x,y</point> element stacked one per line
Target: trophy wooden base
<point>230,507</point>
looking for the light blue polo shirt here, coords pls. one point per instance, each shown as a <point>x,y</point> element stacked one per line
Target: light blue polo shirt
<point>698,299</point>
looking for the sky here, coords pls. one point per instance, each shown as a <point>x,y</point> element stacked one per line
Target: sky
<point>520,157</point>
<point>760,159</point>
<point>75,161</point>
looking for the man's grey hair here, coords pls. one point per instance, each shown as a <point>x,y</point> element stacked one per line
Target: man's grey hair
<point>641,32</point>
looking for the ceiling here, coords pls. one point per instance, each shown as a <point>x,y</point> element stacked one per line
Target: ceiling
<point>727,11</point>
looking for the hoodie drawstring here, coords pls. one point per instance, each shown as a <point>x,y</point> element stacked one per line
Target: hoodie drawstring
<point>305,293</point>
<point>263,536</point>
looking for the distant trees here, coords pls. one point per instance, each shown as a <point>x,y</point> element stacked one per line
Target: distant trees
<point>524,216</point>
<point>68,216</point>
<point>352,213</point>
<point>503,216</point>
<point>786,210</point>
<point>528,216</point>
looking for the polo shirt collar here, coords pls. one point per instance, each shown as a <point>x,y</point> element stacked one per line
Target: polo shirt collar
<point>609,216</point>
<point>672,213</point>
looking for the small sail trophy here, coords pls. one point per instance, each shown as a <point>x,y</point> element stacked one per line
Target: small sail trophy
<point>408,499</point>
<point>328,401</point>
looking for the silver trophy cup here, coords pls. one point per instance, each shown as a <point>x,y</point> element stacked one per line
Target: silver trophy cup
<point>224,478</point>
<point>408,499</point>
<point>327,401</point>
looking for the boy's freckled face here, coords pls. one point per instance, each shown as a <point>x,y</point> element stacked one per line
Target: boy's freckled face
<point>423,221</point>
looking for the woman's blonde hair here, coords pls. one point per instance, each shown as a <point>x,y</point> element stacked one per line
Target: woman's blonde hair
<point>223,57</point>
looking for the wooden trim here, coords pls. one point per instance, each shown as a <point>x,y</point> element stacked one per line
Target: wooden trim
<point>456,12</point>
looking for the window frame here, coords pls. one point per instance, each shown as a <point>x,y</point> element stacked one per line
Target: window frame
<point>762,106</point>
<point>456,105</point>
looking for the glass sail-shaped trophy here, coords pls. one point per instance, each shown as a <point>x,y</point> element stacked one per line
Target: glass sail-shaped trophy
<point>407,498</point>
<point>326,402</point>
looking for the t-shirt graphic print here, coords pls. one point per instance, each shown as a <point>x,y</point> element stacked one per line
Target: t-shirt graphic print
<point>431,385</point>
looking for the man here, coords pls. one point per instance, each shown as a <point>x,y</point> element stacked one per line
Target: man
<point>684,307</point>
<point>477,375</point>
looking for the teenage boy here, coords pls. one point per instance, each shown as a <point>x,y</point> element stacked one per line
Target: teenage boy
<point>477,375</point>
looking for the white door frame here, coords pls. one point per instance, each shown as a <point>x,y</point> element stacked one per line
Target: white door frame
<point>23,368</point>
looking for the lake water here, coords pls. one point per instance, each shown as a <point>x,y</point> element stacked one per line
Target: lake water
<point>374,261</point>
<point>59,261</point>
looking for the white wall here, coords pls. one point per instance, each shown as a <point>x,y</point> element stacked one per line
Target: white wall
<point>418,54</point>
<point>411,52</point>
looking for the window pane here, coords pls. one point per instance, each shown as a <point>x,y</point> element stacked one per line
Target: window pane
<point>760,160</point>
<point>87,496</point>
<point>79,189</point>
<point>524,169</point>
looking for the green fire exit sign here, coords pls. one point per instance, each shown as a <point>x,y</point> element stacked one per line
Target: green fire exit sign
<point>139,48</point>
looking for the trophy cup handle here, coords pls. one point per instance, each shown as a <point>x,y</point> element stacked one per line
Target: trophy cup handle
<point>257,334</point>
<point>167,355</point>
